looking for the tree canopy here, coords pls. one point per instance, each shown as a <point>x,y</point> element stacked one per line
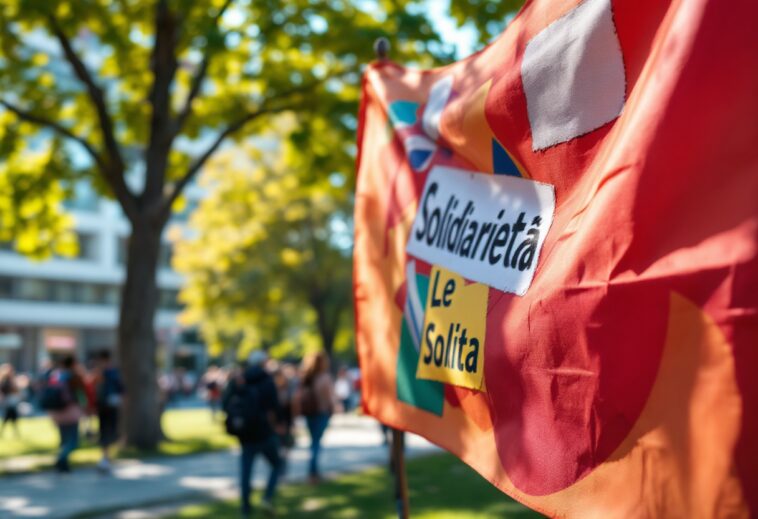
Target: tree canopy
<point>488,18</point>
<point>109,90</point>
<point>267,253</point>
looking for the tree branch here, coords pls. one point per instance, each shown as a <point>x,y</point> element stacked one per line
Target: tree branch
<point>233,128</point>
<point>163,65</point>
<point>114,169</point>
<point>199,77</point>
<point>94,91</point>
<point>197,83</point>
<point>203,158</point>
<point>56,127</point>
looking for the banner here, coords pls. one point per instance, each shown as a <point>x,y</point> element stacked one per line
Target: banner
<point>556,244</point>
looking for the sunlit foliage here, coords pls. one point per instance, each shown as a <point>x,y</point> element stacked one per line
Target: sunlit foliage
<point>267,256</point>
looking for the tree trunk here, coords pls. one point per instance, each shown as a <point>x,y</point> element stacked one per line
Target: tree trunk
<point>136,338</point>
<point>327,327</point>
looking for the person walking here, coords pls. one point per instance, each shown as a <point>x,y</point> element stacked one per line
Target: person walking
<point>212,380</point>
<point>317,405</point>
<point>64,397</point>
<point>343,390</point>
<point>10,398</point>
<point>109,392</point>
<point>251,405</point>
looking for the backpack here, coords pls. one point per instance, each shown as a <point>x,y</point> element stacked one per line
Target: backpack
<point>109,390</point>
<point>56,394</point>
<point>245,415</point>
<point>308,400</point>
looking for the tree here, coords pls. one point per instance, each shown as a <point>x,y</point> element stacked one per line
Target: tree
<point>135,96</point>
<point>268,256</point>
<point>488,18</point>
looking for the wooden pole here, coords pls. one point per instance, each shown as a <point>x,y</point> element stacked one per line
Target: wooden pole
<point>398,468</point>
<point>382,48</point>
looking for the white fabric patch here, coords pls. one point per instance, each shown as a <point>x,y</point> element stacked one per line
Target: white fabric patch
<point>438,96</point>
<point>420,151</point>
<point>573,75</point>
<point>486,228</point>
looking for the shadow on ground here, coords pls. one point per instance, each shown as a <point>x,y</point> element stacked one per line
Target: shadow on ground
<point>441,487</point>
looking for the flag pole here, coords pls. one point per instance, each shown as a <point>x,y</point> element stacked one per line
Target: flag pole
<point>382,49</point>
<point>398,469</point>
<point>397,462</point>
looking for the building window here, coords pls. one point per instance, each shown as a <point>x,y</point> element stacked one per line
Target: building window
<point>6,288</point>
<point>165,254</point>
<point>85,198</point>
<point>122,250</point>
<point>111,296</point>
<point>64,292</point>
<point>169,300</point>
<point>33,290</point>
<point>87,246</point>
<point>67,292</point>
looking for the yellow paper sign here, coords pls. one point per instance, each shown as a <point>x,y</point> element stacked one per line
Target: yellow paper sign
<point>455,323</point>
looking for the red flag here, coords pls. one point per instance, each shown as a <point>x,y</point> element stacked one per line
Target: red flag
<point>555,257</point>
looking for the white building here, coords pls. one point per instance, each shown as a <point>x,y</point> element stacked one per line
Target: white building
<point>62,306</point>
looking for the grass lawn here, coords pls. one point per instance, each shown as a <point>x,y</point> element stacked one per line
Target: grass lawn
<point>441,487</point>
<point>189,431</point>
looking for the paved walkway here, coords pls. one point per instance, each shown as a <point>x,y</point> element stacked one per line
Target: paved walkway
<point>351,444</point>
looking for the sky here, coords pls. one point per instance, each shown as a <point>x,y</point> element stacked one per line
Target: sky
<point>463,38</point>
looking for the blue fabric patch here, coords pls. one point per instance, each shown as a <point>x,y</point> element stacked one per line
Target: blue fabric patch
<point>403,113</point>
<point>502,163</point>
<point>417,158</point>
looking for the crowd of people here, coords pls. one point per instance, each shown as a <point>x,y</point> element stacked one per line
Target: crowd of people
<point>258,400</point>
<point>261,402</point>
<point>72,393</point>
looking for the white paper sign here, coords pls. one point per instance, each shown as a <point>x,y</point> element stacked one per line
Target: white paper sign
<point>487,228</point>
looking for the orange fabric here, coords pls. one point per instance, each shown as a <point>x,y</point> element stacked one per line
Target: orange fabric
<point>622,383</point>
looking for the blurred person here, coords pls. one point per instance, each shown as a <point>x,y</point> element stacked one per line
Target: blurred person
<point>355,378</point>
<point>65,397</point>
<point>10,398</point>
<point>212,380</point>
<point>174,385</point>
<point>109,391</point>
<point>386,433</point>
<point>39,382</point>
<point>178,384</point>
<point>164,390</point>
<point>316,403</point>
<point>188,383</point>
<point>343,390</point>
<point>285,388</point>
<point>252,406</point>
<point>26,394</point>
<point>87,424</point>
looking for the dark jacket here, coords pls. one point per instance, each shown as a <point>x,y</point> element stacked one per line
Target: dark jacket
<point>263,382</point>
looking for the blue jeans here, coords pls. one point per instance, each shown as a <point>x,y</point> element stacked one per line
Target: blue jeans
<point>317,424</point>
<point>69,442</point>
<point>250,450</point>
